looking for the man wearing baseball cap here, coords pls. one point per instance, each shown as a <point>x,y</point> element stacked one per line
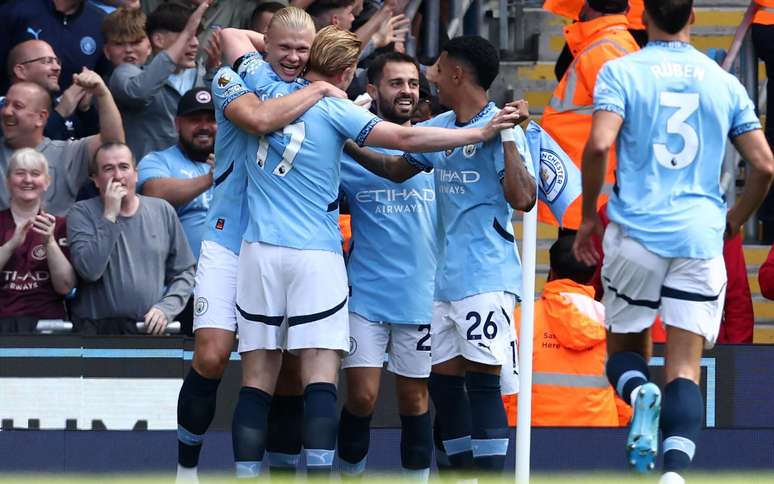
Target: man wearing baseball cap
<point>182,173</point>
<point>600,35</point>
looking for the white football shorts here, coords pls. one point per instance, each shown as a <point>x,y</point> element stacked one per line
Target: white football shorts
<point>407,347</point>
<point>215,288</point>
<point>291,299</point>
<point>686,293</point>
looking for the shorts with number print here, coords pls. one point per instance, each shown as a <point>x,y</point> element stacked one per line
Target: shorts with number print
<point>291,299</point>
<point>478,328</point>
<point>407,347</point>
<point>686,293</point>
<point>215,288</point>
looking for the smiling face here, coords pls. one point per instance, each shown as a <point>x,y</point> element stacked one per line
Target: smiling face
<point>443,76</point>
<point>23,114</point>
<point>114,164</point>
<point>28,180</point>
<point>197,133</point>
<point>163,39</point>
<point>39,64</point>
<point>397,91</point>
<point>288,51</point>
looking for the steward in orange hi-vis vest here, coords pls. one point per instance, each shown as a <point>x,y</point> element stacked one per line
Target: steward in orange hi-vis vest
<point>765,15</point>
<point>567,118</point>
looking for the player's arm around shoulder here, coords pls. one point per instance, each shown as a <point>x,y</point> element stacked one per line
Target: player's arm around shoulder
<point>392,167</point>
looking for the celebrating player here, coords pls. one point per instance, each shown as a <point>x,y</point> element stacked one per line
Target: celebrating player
<point>478,276</point>
<point>292,286</point>
<point>669,110</point>
<point>241,117</point>
<point>391,268</point>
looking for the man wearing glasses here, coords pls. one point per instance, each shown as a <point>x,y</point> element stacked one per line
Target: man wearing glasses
<point>73,115</point>
<point>72,26</point>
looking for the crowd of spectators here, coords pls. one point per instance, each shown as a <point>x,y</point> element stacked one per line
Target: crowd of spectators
<point>106,156</point>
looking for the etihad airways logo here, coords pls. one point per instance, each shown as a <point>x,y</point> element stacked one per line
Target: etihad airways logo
<point>461,176</point>
<point>393,195</point>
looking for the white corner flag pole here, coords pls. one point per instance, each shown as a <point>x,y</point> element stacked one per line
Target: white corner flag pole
<point>524,424</point>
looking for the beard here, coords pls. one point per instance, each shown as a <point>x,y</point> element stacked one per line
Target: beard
<point>389,112</point>
<point>194,151</point>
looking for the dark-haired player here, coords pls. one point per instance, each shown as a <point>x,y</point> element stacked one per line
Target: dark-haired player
<point>478,276</point>
<point>669,110</point>
<point>391,269</point>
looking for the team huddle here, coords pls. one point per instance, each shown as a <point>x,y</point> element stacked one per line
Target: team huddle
<point>432,262</point>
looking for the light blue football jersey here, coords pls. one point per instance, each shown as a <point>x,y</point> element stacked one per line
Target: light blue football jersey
<point>392,255</point>
<point>172,163</point>
<point>477,251</point>
<point>679,109</point>
<point>293,187</point>
<point>227,217</point>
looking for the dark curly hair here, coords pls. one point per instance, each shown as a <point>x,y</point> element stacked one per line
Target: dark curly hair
<point>478,54</point>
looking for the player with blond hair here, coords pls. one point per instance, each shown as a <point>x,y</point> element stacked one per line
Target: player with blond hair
<point>241,116</point>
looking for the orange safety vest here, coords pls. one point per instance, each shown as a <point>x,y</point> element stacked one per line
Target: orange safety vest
<point>569,386</point>
<point>634,15</point>
<point>564,8</point>
<point>764,16</point>
<point>567,118</point>
<point>571,10</point>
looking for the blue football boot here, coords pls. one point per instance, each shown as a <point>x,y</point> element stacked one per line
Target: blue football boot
<point>642,443</point>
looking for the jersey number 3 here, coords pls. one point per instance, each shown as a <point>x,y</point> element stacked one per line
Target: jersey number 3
<point>297,133</point>
<point>686,104</point>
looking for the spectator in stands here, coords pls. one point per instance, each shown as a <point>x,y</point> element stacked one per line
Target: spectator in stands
<point>35,273</point>
<point>71,26</point>
<point>23,117</point>
<point>73,115</point>
<point>148,95</point>
<point>602,36</point>
<point>569,386</point>
<point>221,14</point>
<point>129,251</point>
<point>125,39</point>
<point>262,15</point>
<point>182,174</point>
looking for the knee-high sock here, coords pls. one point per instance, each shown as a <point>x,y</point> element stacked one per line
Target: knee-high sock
<point>248,430</point>
<point>283,447</point>
<point>626,372</point>
<point>320,426</point>
<point>353,441</point>
<point>682,414</point>
<point>454,421</point>
<point>195,410</point>
<point>490,424</point>
<point>416,445</point>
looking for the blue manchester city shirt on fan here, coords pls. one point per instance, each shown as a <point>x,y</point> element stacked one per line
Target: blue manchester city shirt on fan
<point>679,109</point>
<point>393,245</point>
<point>476,252</point>
<point>172,163</point>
